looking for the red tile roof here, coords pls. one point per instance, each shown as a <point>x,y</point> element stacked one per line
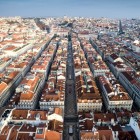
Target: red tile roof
<point>53,134</point>
<point>3,86</point>
<point>27,96</point>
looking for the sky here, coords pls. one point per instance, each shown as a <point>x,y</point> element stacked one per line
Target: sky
<point>79,8</point>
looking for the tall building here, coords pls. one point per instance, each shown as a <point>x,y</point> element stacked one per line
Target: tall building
<point>120,30</point>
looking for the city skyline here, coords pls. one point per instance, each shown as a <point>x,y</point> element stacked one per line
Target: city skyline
<point>69,70</point>
<point>69,78</point>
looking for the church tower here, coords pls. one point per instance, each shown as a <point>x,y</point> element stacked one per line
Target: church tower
<point>120,30</point>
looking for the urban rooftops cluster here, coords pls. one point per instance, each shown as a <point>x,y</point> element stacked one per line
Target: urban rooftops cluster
<point>69,78</point>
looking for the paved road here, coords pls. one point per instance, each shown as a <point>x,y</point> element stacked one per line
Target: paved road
<point>71,125</point>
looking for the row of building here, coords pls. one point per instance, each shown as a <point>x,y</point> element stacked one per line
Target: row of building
<point>28,91</point>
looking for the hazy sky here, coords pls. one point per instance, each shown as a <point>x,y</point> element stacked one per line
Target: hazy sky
<point>86,8</point>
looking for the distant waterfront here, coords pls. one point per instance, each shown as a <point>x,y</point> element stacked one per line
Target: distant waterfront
<point>83,8</point>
